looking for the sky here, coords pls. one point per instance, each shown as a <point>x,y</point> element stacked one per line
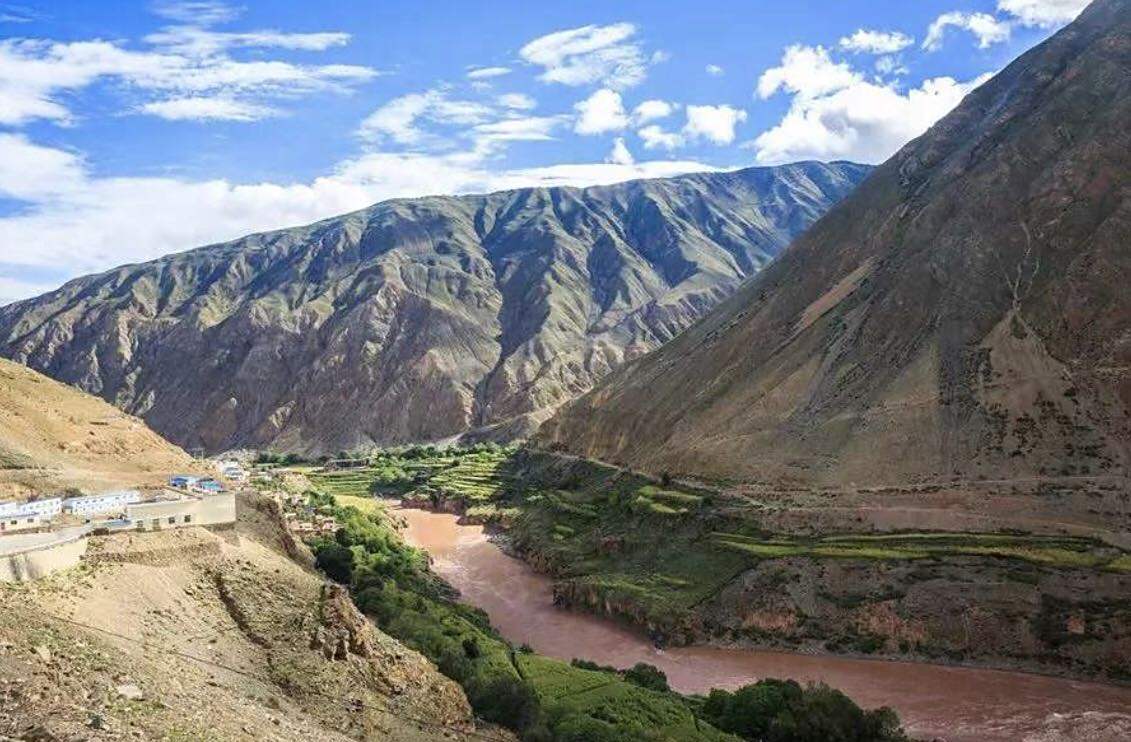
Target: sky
<point>135,129</point>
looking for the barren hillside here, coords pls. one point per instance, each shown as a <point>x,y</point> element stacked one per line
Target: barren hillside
<point>53,436</point>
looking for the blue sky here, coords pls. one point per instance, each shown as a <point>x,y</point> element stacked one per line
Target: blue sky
<point>129,130</point>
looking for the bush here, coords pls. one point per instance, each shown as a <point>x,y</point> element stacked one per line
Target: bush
<point>336,561</point>
<point>783,711</point>
<point>647,676</point>
<point>507,701</point>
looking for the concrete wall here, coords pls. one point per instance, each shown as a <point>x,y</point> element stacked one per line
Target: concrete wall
<point>210,510</point>
<point>42,561</point>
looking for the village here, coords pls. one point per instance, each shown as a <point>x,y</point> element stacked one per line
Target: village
<point>43,535</point>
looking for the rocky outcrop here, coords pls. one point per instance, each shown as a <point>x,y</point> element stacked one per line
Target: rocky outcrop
<point>962,609</point>
<point>415,319</point>
<point>962,316</point>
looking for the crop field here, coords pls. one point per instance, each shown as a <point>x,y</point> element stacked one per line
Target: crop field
<point>1055,551</point>
<point>474,477</point>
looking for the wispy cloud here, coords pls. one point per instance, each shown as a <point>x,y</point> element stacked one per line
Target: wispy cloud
<point>486,73</point>
<point>34,72</point>
<point>867,41</point>
<point>197,12</point>
<point>987,29</point>
<point>202,108</point>
<point>605,55</point>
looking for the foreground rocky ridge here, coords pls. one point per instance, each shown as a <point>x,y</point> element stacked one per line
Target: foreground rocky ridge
<point>962,316</point>
<point>197,635</point>
<point>415,319</point>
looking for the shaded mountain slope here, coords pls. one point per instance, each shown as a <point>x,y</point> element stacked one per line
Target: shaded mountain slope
<point>415,319</point>
<point>963,315</point>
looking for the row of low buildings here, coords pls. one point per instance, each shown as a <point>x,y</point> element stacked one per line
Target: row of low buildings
<point>21,515</point>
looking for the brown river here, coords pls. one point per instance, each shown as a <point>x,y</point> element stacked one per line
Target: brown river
<point>935,702</point>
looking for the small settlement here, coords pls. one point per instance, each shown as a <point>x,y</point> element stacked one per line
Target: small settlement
<point>31,530</point>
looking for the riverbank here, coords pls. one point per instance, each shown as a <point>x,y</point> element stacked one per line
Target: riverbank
<point>953,703</point>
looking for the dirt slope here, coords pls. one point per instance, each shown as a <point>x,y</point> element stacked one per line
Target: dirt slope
<point>962,316</point>
<point>227,638</point>
<point>54,436</point>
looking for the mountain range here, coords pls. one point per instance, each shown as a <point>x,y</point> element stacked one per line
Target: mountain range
<point>417,319</point>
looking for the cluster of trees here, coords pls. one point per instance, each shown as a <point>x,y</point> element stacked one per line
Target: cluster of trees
<point>784,711</point>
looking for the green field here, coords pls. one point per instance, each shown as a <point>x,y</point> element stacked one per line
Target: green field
<point>1054,551</point>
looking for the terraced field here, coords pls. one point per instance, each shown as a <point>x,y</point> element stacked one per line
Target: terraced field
<point>1048,550</point>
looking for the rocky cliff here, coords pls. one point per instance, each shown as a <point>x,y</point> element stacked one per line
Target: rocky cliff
<point>962,316</point>
<point>415,319</point>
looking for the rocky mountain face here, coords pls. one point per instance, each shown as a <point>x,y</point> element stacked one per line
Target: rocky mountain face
<point>961,317</point>
<point>416,319</point>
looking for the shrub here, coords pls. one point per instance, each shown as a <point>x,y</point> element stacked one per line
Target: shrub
<point>505,700</point>
<point>783,711</point>
<point>336,561</point>
<point>647,676</point>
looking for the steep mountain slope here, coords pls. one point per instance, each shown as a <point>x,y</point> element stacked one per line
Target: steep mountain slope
<point>962,316</point>
<point>54,436</point>
<point>415,319</point>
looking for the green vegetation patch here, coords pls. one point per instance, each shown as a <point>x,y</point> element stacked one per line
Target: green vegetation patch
<point>1055,551</point>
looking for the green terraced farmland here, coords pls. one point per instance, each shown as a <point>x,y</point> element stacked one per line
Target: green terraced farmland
<point>1056,551</point>
<point>474,478</point>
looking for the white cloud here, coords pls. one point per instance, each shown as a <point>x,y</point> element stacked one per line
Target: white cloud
<point>861,120</point>
<point>806,71</point>
<point>517,101</point>
<point>866,41</point>
<point>30,172</point>
<point>485,73</point>
<point>399,120</point>
<point>202,108</point>
<point>1043,13</point>
<point>89,223</point>
<point>201,42</point>
<point>986,28</point>
<point>655,137</point>
<point>716,124</point>
<point>529,129</point>
<point>714,70</point>
<point>35,72</point>
<point>601,112</point>
<point>652,110</point>
<point>588,55</point>
<point>197,12</point>
<point>620,154</point>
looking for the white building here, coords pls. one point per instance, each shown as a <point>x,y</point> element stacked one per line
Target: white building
<point>19,522</point>
<point>46,508</point>
<point>107,502</point>
<point>231,470</point>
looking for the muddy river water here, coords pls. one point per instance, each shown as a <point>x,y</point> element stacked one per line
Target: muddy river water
<point>934,702</point>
